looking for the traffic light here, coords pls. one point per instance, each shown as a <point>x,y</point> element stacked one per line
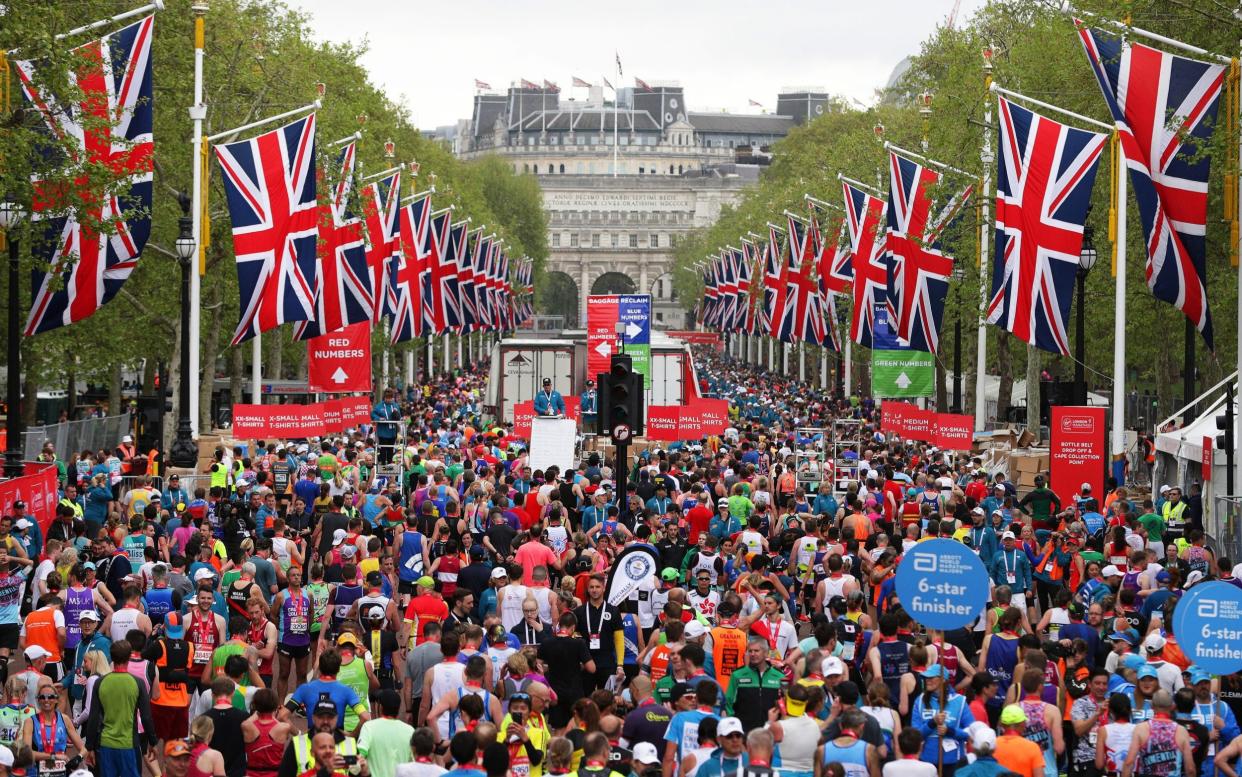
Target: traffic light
<point>620,398</point>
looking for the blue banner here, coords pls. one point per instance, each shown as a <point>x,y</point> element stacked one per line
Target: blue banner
<point>942,584</point>
<point>1208,626</point>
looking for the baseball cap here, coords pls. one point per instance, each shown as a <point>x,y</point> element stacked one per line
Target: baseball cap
<point>348,552</point>
<point>1085,487</point>
<point>1129,635</point>
<point>832,666</point>
<point>645,753</point>
<point>694,630</point>
<point>679,690</point>
<point>477,551</point>
<point>1147,670</point>
<point>324,707</point>
<point>1164,489</point>
<point>977,511</point>
<point>174,625</point>
<point>1132,661</point>
<point>1110,571</point>
<point>936,670</point>
<point>729,726</point>
<point>35,652</point>
<point>982,736</point>
<point>204,574</point>
<point>347,639</point>
<point>6,757</point>
<point>1008,536</point>
<point>1012,715</point>
<point>176,748</point>
<point>89,615</point>
<point>1154,643</point>
<point>425,581</point>
<point>338,536</point>
<point>1163,576</point>
<point>1193,578</point>
<point>668,574</point>
<point>22,523</point>
<point>499,572</point>
<point>1199,676</point>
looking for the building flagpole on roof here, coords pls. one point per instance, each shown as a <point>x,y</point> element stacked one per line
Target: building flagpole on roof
<point>616,108</point>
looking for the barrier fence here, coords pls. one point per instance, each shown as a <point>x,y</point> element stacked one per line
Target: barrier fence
<point>71,437</point>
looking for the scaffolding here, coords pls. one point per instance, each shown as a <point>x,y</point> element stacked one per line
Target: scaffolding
<point>390,458</point>
<point>845,447</point>
<point>809,462</point>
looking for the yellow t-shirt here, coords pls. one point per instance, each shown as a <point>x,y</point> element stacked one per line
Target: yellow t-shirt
<point>368,565</point>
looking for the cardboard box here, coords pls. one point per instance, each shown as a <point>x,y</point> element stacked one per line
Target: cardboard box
<point>1023,463</point>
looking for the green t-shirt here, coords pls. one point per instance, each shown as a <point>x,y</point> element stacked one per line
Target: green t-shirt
<point>118,694</point>
<point>222,654</point>
<point>354,675</point>
<point>453,470</point>
<point>1154,525</point>
<point>12,718</point>
<point>740,507</point>
<point>1091,555</point>
<point>385,742</point>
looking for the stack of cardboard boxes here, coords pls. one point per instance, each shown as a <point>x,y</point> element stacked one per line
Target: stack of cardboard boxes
<point>1025,464</point>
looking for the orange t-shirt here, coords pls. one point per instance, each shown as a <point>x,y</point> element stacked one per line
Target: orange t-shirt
<point>41,630</point>
<point>424,609</point>
<point>1019,755</point>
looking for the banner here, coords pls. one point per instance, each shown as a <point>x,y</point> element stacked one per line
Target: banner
<point>340,362</point>
<point>954,432</point>
<point>1208,455</point>
<point>37,488</point>
<point>895,418</point>
<point>896,370</point>
<point>633,575</point>
<point>690,423</point>
<point>698,338</point>
<point>714,414</point>
<point>601,326</point>
<point>634,311</point>
<point>1207,622</point>
<point>299,421</point>
<point>523,414</point>
<point>662,422</point>
<point>1077,452</point>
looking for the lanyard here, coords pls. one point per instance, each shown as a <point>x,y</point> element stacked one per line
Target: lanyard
<point>47,734</point>
<point>1005,561</point>
<point>602,612</point>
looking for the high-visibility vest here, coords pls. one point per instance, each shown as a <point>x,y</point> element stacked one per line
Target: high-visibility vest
<point>1048,564</point>
<point>77,508</point>
<point>219,475</point>
<point>728,652</point>
<point>305,759</point>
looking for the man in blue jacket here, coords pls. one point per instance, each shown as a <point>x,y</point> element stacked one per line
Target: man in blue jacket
<point>386,415</point>
<point>548,402</point>
<point>1011,567</point>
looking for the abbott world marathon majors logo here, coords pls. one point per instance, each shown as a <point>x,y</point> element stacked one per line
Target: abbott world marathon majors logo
<point>1208,625</point>
<point>942,584</point>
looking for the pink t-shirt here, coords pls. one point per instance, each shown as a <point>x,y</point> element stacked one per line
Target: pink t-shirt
<point>531,555</point>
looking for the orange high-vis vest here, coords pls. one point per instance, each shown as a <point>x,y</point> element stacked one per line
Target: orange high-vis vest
<point>41,631</point>
<point>728,652</point>
<point>1049,565</point>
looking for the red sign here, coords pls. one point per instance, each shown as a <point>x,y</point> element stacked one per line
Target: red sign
<point>690,423</point>
<point>1077,452</point>
<point>573,407</point>
<point>698,338</point>
<point>895,417</point>
<point>954,432</point>
<point>662,422</point>
<point>340,362</point>
<point>297,421</point>
<point>1208,455</point>
<point>523,416</point>
<point>37,488</point>
<point>715,414</point>
<point>602,316</point>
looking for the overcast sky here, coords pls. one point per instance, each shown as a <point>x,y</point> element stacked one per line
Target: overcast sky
<point>724,52</point>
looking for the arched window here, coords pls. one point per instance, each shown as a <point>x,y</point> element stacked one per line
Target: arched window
<point>525,167</point>
<point>670,169</point>
<point>550,170</point>
<point>679,170</point>
<point>562,168</point>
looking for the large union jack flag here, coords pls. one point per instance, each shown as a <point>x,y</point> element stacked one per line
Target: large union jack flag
<point>111,127</point>
<point>774,268</point>
<point>381,211</point>
<point>466,280</point>
<point>1043,192</point>
<point>409,319</point>
<point>270,184</point>
<point>833,261</point>
<point>711,296</point>
<point>801,315</point>
<point>445,304</point>
<point>752,258</point>
<point>918,270</point>
<point>864,215</point>
<point>342,284</point>
<point>1165,109</point>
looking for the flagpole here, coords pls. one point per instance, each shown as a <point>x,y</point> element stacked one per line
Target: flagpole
<point>1119,303</point>
<point>1233,396</point>
<point>924,159</point>
<point>198,112</point>
<point>616,116</point>
<point>158,5</point>
<point>986,157</point>
<point>256,369</point>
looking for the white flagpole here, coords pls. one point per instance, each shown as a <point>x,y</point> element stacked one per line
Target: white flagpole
<point>1119,303</point>
<point>981,344</point>
<point>198,112</point>
<point>256,370</point>
<point>616,113</point>
<point>1237,463</point>
<point>849,357</point>
<point>158,5</point>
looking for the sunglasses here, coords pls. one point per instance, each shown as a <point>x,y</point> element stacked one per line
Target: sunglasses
<point>47,697</point>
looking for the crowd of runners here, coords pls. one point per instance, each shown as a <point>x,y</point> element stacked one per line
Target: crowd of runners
<point>292,610</point>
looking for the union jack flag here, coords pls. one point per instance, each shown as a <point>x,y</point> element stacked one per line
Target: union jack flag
<point>833,261</point>
<point>742,312</point>
<point>381,209</point>
<point>1043,192</point>
<point>711,296</point>
<point>482,305</point>
<point>801,315</point>
<point>114,76</point>
<point>409,320</point>
<point>918,270</point>
<point>342,283</point>
<point>1165,109</point>
<point>735,315</point>
<point>445,304</point>
<point>775,267</point>
<point>863,216</point>
<point>270,184</point>
<point>465,279</point>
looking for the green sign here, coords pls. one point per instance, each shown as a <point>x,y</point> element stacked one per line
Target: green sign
<point>902,374</point>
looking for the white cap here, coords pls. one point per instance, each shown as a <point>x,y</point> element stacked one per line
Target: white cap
<point>977,511</point>
<point>499,572</point>
<point>694,630</point>
<point>349,551</point>
<point>729,726</point>
<point>1008,536</point>
<point>1164,489</point>
<point>645,753</point>
<point>204,574</point>
<point>127,439</point>
<point>1110,571</point>
<point>89,615</point>
<point>6,757</point>
<point>1085,487</point>
<point>832,665</point>
<point>80,773</point>
<point>981,736</point>
<point>1154,642</point>
<point>338,536</point>
<point>35,652</point>
<point>1237,571</point>
<point>22,523</point>
<point>1193,578</point>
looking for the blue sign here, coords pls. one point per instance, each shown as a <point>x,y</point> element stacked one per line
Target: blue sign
<point>942,584</point>
<point>1208,625</point>
<point>634,310</point>
<point>883,338</point>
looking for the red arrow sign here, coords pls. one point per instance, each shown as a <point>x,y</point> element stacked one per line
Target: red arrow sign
<point>340,362</point>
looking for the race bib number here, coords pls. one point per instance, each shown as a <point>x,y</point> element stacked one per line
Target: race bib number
<point>520,770</point>
<point>298,624</point>
<point>52,768</point>
<point>202,654</point>
<point>8,734</point>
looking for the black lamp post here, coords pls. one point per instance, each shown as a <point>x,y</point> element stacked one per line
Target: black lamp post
<point>11,214</point>
<point>184,453</point>
<point>1086,260</point>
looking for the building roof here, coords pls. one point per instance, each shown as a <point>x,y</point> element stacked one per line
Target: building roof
<point>766,124</point>
<point>589,120</point>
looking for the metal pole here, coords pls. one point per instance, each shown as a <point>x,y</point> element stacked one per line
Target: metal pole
<point>847,385</point>
<point>183,452</point>
<point>13,418</point>
<point>957,362</point>
<point>1119,304</point>
<point>1080,342</point>
<point>1235,472</point>
<point>198,112</point>
<point>256,370</point>
<point>981,344</point>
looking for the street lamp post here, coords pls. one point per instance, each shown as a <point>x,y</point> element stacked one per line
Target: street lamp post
<point>11,214</point>
<point>958,276</point>
<point>183,452</point>
<point>1086,260</point>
